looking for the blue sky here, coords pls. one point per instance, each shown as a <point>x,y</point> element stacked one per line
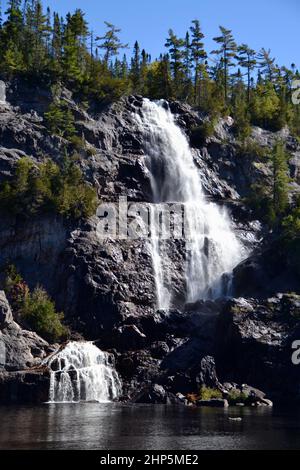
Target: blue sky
<point>271,24</point>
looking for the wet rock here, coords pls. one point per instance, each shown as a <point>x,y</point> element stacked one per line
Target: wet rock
<point>156,394</point>
<point>28,387</point>
<point>130,337</point>
<point>22,349</point>
<point>160,349</point>
<point>208,374</point>
<point>2,92</point>
<point>6,317</point>
<point>254,345</point>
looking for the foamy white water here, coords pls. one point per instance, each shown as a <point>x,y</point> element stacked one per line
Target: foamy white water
<point>82,372</point>
<point>213,249</point>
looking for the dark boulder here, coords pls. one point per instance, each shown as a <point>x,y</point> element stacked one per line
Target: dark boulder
<point>25,387</point>
<point>272,270</point>
<point>156,395</point>
<point>5,311</point>
<point>254,342</point>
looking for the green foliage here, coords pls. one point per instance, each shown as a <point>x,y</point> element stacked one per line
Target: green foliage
<point>236,396</point>
<point>270,199</point>
<point>46,48</point>
<point>265,106</point>
<point>226,52</point>
<point>77,143</point>
<point>48,187</point>
<point>38,311</point>
<point>60,120</point>
<point>15,288</point>
<point>260,201</point>
<point>207,393</point>
<point>111,43</point>
<point>257,152</point>
<point>201,133</point>
<point>291,223</point>
<point>33,309</point>
<point>280,179</point>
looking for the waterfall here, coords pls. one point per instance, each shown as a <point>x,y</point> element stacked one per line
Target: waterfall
<point>82,372</point>
<point>213,249</point>
<point>163,295</point>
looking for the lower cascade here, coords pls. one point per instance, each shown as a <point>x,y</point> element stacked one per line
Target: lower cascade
<point>212,248</point>
<point>82,372</point>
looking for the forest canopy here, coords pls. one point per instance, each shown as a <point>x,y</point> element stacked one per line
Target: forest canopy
<point>231,79</point>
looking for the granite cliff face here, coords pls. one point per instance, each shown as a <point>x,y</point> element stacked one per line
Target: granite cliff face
<point>107,287</point>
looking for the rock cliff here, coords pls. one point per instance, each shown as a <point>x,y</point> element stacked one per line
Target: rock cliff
<point>106,287</point>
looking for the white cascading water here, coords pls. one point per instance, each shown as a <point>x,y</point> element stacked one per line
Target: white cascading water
<point>82,372</point>
<point>163,294</point>
<point>213,249</point>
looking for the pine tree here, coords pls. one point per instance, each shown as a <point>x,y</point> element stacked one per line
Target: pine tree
<point>143,72</point>
<point>124,67</point>
<point>187,58</point>
<point>239,107</point>
<point>41,31</point>
<point>159,80</point>
<point>14,21</point>
<point>135,70</point>
<point>266,64</point>
<point>280,179</point>
<point>111,43</point>
<point>198,55</point>
<point>74,47</point>
<point>57,39</point>
<point>175,46</point>
<point>227,52</point>
<point>246,59</point>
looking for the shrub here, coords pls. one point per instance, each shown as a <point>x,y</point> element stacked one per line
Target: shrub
<point>35,310</point>
<point>207,393</point>
<point>252,148</point>
<point>48,187</point>
<point>77,143</point>
<point>236,396</point>
<point>60,120</point>
<point>91,151</point>
<point>201,133</point>
<point>39,313</point>
<point>15,288</point>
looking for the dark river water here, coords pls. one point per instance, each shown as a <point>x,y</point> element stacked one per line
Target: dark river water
<point>119,427</point>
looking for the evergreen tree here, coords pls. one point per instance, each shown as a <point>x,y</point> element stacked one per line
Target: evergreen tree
<point>175,46</point>
<point>40,30</point>
<point>198,55</point>
<point>159,80</point>
<point>227,52</point>
<point>111,42</point>
<point>124,67</point>
<point>57,39</point>
<point>74,47</point>
<point>280,179</point>
<point>135,71</point>
<point>266,64</point>
<point>246,59</point>
<point>11,38</point>
<point>187,59</point>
